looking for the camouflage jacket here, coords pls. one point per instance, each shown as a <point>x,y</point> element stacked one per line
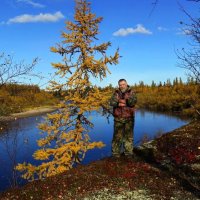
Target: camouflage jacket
<point>127,111</point>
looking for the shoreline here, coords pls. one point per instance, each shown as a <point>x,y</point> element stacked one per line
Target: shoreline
<point>29,113</point>
<point>48,109</point>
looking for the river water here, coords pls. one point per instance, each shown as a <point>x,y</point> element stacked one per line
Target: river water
<point>18,141</point>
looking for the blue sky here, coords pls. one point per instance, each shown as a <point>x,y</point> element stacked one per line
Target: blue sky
<point>147,43</point>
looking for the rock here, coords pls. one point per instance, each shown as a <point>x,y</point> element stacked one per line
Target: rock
<point>196,167</point>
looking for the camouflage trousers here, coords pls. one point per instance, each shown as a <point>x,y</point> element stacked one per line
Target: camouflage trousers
<point>123,137</point>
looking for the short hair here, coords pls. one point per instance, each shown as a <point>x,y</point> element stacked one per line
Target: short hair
<point>122,79</point>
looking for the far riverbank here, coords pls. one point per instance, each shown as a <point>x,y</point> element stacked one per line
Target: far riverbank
<point>29,113</point>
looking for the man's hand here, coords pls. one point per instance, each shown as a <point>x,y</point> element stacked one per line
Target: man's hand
<point>122,102</point>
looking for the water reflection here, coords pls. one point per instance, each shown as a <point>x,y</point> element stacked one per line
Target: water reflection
<point>18,139</point>
<point>17,144</point>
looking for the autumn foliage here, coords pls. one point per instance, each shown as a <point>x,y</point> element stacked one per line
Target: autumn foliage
<point>66,138</point>
<point>16,98</point>
<point>176,96</point>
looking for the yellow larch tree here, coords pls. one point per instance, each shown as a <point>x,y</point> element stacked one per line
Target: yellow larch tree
<point>66,138</point>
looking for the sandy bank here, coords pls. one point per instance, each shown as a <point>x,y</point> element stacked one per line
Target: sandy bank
<point>29,113</point>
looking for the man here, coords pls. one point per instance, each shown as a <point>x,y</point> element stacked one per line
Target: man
<point>123,101</point>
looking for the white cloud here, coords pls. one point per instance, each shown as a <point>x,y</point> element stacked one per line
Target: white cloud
<point>46,17</point>
<point>160,28</point>
<point>187,32</point>
<point>127,31</point>
<point>32,3</point>
<point>183,32</point>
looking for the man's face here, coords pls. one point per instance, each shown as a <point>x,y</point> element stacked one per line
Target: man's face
<point>123,86</point>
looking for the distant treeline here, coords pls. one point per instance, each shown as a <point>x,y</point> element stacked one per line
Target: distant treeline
<point>175,96</point>
<point>16,98</point>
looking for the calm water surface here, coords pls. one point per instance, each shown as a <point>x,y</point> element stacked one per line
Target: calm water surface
<point>18,143</point>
